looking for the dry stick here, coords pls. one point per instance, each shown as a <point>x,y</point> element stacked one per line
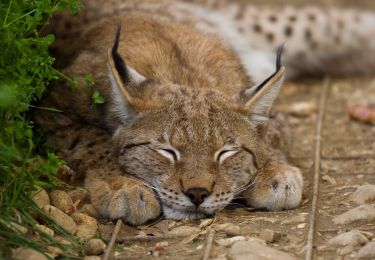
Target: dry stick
<point>318,134</point>
<point>113,239</point>
<point>210,240</point>
<point>148,238</point>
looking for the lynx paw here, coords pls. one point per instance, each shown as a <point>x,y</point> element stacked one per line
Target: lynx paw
<point>277,187</point>
<point>124,198</point>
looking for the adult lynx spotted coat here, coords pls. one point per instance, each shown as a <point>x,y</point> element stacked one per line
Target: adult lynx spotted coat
<point>188,91</point>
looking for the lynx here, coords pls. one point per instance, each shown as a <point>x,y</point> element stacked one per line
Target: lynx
<point>188,92</point>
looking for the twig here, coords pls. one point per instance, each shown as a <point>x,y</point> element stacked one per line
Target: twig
<point>147,238</point>
<point>317,158</point>
<point>210,240</point>
<point>113,239</point>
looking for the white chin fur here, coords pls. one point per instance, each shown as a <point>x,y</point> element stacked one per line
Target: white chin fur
<point>171,213</point>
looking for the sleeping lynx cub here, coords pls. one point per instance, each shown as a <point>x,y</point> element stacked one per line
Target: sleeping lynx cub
<point>188,103</point>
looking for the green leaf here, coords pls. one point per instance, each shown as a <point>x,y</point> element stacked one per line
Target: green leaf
<point>97,98</point>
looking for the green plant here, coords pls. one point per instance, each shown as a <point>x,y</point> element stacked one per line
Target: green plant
<point>25,72</point>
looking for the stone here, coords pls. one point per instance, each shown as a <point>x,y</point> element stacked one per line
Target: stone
<point>95,246</point>
<point>363,194</point>
<point>53,251</point>
<point>62,219</point>
<point>92,257</point>
<point>302,109</point>
<point>81,218</point>
<point>206,222</point>
<point>363,212</point>
<point>184,231</point>
<point>367,252</point>
<point>45,229</point>
<point>229,229</point>
<point>247,250</point>
<point>40,197</point>
<point>269,235</point>
<point>229,241</point>
<point>86,231</point>
<point>352,238</point>
<point>61,200</point>
<point>23,253</point>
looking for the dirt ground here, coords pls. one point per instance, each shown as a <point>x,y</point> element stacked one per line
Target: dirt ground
<point>346,157</point>
<point>336,155</point>
<point>340,155</point>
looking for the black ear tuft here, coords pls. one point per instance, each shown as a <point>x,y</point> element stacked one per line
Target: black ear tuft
<point>278,57</point>
<point>279,52</point>
<point>119,62</point>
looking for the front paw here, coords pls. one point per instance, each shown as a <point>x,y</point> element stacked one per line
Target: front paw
<point>276,187</point>
<point>124,198</point>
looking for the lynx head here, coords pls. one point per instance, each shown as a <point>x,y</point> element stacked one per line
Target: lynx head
<point>196,147</point>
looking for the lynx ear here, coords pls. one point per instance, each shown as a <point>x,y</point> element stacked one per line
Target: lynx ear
<point>124,81</point>
<point>259,98</point>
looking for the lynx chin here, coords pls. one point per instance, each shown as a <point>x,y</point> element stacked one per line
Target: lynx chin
<point>187,97</point>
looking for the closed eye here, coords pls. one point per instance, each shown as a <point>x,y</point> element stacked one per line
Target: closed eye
<point>225,153</point>
<point>171,154</point>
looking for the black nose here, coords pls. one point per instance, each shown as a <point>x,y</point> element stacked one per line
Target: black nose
<point>197,195</point>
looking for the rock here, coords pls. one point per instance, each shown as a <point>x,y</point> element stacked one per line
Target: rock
<point>23,253</point>
<point>363,194</point>
<point>368,251</point>
<point>229,241</point>
<point>86,231</point>
<point>79,195</point>
<point>15,227</point>
<point>245,250</point>
<point>95,246</point>
<point>60,218</point>
<point>40,197</point>
<point>229,229</point>
<point>269,235</point>
<point>352,238</point>
<point>81,218</point>
<point>363,212</point>
<point>301,217</point>
<point>87,226</point>
<point>45,229</point>
<point>53,251</point>
<point>302,109</point>
<point>89,210</point>
<point>329,179</point>
<point>206,222</point>
<point>92,257</point>
<point>61,200</point>
<point>347,250</point>
<point>63,240</point>
<point>184,231</point>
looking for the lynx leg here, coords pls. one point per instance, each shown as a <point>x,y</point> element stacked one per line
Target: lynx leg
<point>277,187</point>
<point>122,197</point>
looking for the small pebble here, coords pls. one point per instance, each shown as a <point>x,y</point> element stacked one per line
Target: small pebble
<point>40,197</point>
<point>229,241</point>
<point>61,200</point>
<point>23,253</point>
<point>184,231</point>
<point>45,229</point>
<point>62,219</point>
<point>269,235</point>
<point>54,251</point>
<point>368,251</point>
<point>363,212</point>
<point>95,247</point>
<point>364,194</point>
<point>352,238</point>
